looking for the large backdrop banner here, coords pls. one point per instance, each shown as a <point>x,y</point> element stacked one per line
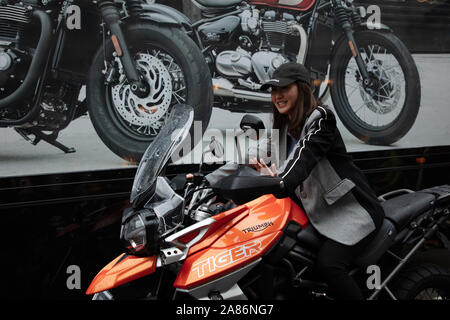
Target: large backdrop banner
<point>89,85</point>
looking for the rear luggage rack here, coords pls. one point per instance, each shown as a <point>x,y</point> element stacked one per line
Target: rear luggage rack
<point>394,193</point>
<point>442,193</point>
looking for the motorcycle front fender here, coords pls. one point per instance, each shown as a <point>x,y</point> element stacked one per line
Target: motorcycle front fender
<point>165,15</point>
<point>380,27</point>
<point>124,269</point>
<point>362,27</point>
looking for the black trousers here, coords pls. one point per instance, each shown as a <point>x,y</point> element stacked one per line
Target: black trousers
<point>333,262</point>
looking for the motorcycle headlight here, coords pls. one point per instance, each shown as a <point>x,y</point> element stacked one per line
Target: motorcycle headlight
<point>134,233</point>
<point>140,232</point>
<point>143,230</point>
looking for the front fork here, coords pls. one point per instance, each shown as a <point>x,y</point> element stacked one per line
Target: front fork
<point>111,17</point>
<point>344,22</point>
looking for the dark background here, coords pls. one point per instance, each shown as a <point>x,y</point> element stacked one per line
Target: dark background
<point>50,222</point>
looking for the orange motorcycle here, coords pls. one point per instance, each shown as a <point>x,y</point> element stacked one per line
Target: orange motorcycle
<point>233,234</point>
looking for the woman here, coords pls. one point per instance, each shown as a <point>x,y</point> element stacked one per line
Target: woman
<point>318,171</point>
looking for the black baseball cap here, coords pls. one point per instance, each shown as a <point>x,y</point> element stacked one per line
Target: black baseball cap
<point>286,74</point>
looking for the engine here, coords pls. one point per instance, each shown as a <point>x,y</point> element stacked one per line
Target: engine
<point>13,19</point>
<point>277,29</point>
<point>263,46</point>
<point>21,38</point>
<point>14,60</point>
<point>240,63</point>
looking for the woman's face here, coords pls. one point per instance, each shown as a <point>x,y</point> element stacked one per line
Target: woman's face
<point>285,98</point>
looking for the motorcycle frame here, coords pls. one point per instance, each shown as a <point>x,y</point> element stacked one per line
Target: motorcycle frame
<point>402,261</point>
<point>403,238</point>
<point>167,15</point>
<point>427,234</point>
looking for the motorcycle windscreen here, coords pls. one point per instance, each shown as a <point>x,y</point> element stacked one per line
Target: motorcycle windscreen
<point>167,205</point>
<point>172,134</point>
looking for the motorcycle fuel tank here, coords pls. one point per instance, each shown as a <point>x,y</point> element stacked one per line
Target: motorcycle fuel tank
<point>300,5</point>
<point>249,232</point>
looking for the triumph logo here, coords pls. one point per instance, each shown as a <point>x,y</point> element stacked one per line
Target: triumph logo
<point>258,228</point>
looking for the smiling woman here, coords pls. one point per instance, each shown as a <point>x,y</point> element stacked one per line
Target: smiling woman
<point>317,171</point>
<point>284,98</point>
<point>292,97</point>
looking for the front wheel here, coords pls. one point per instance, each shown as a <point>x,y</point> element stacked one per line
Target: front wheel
<point>176,72</point>
<point>384,111</point>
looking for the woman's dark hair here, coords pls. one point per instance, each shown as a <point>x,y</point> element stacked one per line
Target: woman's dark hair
<point>306,103</point>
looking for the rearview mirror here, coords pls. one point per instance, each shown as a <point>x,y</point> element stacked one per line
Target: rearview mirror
<point>252,122</point>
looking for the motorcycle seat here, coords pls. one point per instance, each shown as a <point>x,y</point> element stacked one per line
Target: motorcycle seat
<point>384,238</point>
<point>399,211</point>
<point>309,241</point>
<point>309,237</point>
<point>402,209</point>
<point>219,4</point>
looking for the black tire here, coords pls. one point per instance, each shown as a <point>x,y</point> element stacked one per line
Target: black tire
<point>423,282</point>
<point>119,135</point>
<point>402,122</point>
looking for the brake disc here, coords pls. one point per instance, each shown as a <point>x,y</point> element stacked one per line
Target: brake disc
<point>385,98</point>
<point>150,110</point>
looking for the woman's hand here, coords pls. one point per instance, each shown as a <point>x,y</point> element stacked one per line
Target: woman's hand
<point>262,167</point>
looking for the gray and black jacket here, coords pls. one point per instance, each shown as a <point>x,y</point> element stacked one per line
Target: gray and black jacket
<point>335,194</point>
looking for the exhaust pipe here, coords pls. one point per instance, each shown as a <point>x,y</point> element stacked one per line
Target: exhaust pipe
<point>303,50</point>
<point>224,88</point>
<point>37,65</point>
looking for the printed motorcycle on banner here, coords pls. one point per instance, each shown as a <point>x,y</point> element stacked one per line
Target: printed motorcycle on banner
<point>133,67</point>
<point>370,74</point>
